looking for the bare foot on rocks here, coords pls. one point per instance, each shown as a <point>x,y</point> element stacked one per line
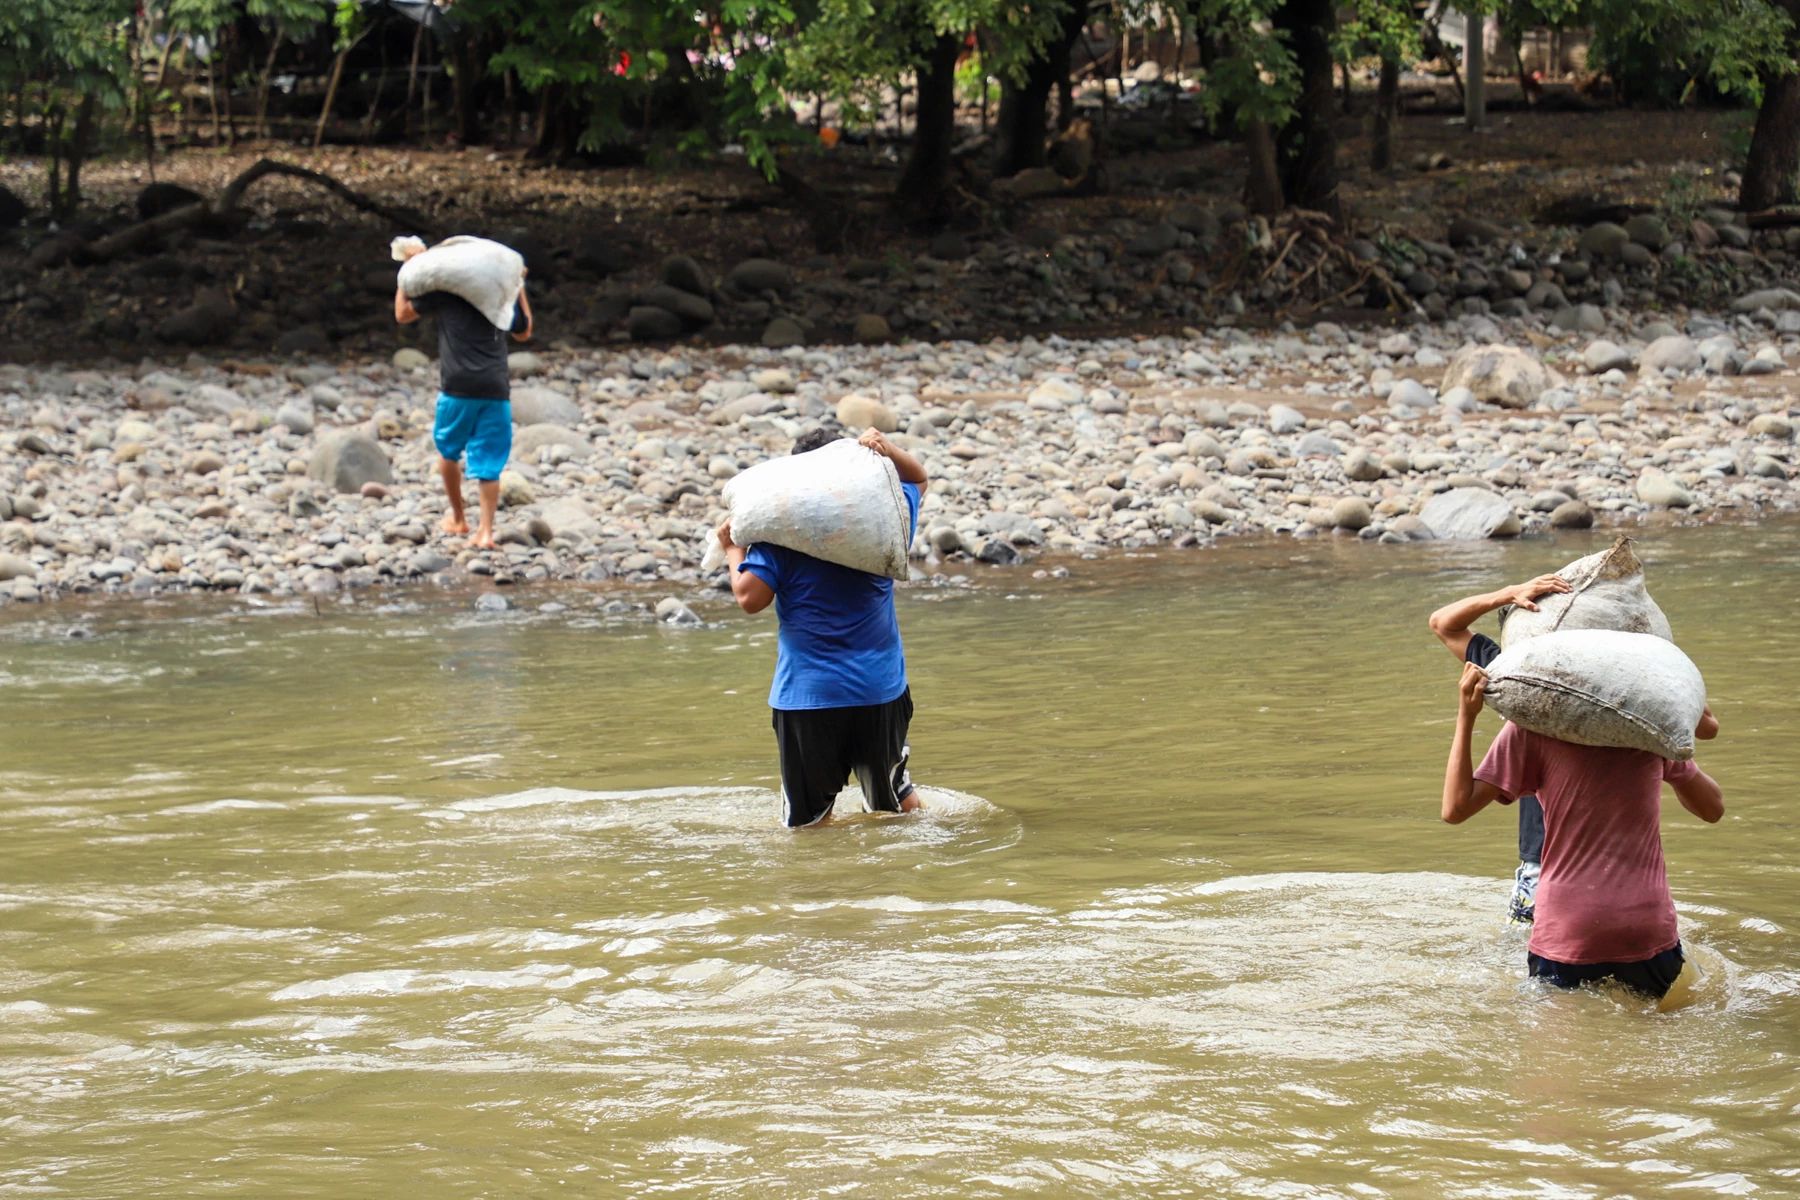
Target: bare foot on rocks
<point>453,524</point>
<point>481,541</point>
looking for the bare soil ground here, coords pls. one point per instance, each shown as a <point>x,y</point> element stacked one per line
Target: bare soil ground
<point>308,257</point>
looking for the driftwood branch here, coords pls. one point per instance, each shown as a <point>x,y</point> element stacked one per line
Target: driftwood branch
<point>220,211</point>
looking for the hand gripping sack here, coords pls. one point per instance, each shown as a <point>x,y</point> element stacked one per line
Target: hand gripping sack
<point>841,503</point>
<point>1601,687</point>
<point>486,274</point>
<point>1607,592</point>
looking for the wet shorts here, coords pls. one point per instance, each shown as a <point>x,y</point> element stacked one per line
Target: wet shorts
<point>822,747</point>
<point>482,427</point>
<point>1653,976</point>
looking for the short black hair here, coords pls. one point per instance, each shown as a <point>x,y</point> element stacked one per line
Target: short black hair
<point>814,438</point>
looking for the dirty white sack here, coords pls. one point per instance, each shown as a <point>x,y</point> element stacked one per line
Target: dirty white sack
<point>485,273</point>
<point>1601,687</point>
<point>1607,592</point>
<point>841,503</point>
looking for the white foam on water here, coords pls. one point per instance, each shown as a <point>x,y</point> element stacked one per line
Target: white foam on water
<point>209,807</point>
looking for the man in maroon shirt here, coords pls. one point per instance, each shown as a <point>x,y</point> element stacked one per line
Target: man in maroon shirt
<point>1604,909</point>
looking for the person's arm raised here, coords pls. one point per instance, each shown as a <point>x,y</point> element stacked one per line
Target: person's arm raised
<point>1464,795</point>
<point>1451,622</point>
<point>524,335</point>
<point>910,469</point>
<point>404,312</point>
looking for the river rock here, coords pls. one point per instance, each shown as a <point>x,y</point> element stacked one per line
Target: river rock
<point>672,611</point>
<point>783,332</point>
<point>1604,240</point>
<point>1661,490</point>
<point>761,275</point>
<point>207,320</point>
<point>1674,352</point>
<point>695,311</point>
<point>1572,514</point>
<point>1352,512</point>
<point>297,417</point>
<point>681,271</point>
<point>870,328</point>
<point>535,404</point>
<point>529,439</point>
<point>861,412</point>
<point>515,490</point>
<point>1283,419</point>
<point>1602,356</point>
<point>1473,231</point>
<point>345,459</point>
<point>1772,425</point>
<point>1362,466</point>
<point>1410,394</point>
<point>1469,514</point>
<point>648,323</point>
<point>12,566</point>
<point>1647,229</point>
<point>1773,299</point>
<point>1503,375</point>
<point>409,359</point>
<point>571,518</point>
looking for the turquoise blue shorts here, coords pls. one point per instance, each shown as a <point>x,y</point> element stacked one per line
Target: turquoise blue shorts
<point>481,427</point>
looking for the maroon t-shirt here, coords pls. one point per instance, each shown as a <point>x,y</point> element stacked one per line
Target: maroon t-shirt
<point>1603,896</point>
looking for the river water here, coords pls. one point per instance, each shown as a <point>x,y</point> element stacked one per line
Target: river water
<point>397,898</point>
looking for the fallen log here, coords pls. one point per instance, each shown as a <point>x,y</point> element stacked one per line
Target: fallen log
<point>222,210</point>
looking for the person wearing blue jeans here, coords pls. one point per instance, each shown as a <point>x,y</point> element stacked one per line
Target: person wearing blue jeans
<point>1451,625</point>
<point>474,406</point>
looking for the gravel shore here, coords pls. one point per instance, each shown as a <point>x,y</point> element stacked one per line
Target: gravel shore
<point>187,476</point>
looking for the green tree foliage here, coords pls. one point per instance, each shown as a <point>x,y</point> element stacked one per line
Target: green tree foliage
<point>64,64</point>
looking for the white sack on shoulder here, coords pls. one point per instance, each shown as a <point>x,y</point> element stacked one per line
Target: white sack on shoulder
<point>486,274</point>
<point>841,503</point>
<point>1606,592</point>
<point>1601,687</point>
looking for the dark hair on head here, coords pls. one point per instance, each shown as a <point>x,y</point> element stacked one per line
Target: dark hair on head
<point>812,439</point>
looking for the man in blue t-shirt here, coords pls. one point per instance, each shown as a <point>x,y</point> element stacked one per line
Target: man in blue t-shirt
<point>1451,625</point>
<point>840,699</point>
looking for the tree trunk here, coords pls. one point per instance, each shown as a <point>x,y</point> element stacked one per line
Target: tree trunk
<point>1475,66</point>
<point>230,43</point>
<point>1308,144</point>
<point>412,75</point>
<point>262,86</point>
<point>1387,114</point>
<point>331,90</point>
<point>212,89</point>
<point>924,185</point>
<point>78,150</point>
<point>1770,175</point>
<point>1023,126</point>
<point>463,82</point>
<point>1262,186</point>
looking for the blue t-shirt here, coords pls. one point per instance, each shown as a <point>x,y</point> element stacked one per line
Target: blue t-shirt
<point>839,640</point>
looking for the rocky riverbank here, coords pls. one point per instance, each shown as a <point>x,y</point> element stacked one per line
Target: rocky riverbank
<point>315,478</point>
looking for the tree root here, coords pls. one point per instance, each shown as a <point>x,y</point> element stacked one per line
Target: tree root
<point>1317,265</point>
<point>223,210</point>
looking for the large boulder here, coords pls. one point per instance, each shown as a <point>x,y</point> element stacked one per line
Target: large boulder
<point>863,412</point>
<point>570,518</point>
<point>1503,375</point>
<point>536,405</point>
<point>694,310</point>
<point>1469,514</point>
<point>1604,240</point>
<point>345,459</point>
<point>648,323</point>
<point>681,271</point>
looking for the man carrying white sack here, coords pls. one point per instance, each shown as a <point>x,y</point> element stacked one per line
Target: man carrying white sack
<point>840,698</point>
<point>1604,909</point>
<point>1451,625</point>
<point>474,405</point>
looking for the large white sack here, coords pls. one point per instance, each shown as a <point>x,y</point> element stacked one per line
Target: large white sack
<point>841,502</point>
<point>1601,687</point>
<point>486,274</point>
<point>1607,592</point>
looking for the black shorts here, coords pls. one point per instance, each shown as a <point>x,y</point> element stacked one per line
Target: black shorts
<point>1652,977</point>
<point>821,747</point>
